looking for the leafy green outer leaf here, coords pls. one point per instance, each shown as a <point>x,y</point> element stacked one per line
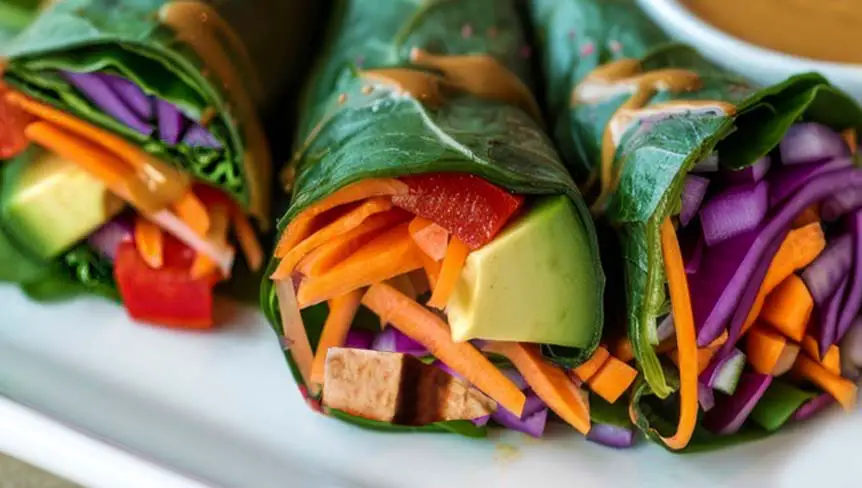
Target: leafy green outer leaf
<point>575,37</point>
<point>354,130</point>
<point>778,404</point>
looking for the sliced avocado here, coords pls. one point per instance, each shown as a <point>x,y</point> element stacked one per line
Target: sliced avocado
<point>529,284</point>
<point>48,204</point>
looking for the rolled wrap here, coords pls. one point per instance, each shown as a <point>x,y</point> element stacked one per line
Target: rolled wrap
<point>641,181</point>
<point>355,128</point>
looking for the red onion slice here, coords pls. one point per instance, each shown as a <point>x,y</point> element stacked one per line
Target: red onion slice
<point>751,173</point>
<point>853,304</point>
<point>825,274</point>
<point>171,122</point>
<point>787,181</point>
<point>827,320</point>
<point>731,412</point>
<point>359,339</point>
<point>724,372</point>
<point>734,211</point>
<point>841,203</point>
<point>851,350</point>
<point>693,193</point>
<point>107,239</point>
<point>705,397</point>
<point>811,142</point>
<point>533,425</point>
<point>813,407</point>
<point>612,435</point>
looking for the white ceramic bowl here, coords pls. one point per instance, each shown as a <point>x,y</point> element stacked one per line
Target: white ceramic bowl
<point>761,65</point>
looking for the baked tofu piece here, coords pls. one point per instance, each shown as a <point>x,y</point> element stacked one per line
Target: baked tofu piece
<point>398,388</point>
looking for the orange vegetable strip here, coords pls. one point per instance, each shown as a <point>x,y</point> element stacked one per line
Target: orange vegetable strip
<point>450,272</point>
<point>247,238</point>
<point>844,391</point>
<point>788,308</point>
<point>420,281</point>
<point>808,216</point>
<point>623,349</point>
<point>190,209</point>
<point>798,250</point>
<point>99,163</point>
<point>149,242</point>
<point>219,217</point>
<point>342,225</point>
<point>342,311</point>
<point>849,136</point>
<point>432,239</point>
<point>390,255</point>
<point>685,336</point>
<point>704,356</point>
<point>769,352</point>
<point>426,328</point>
<point>831,361</point>
<point>548,381</point>
<point>295,335</point>
<point>432,270</point>
<point>612,379</point>
<point>585,371</point>
<point>301,226</point>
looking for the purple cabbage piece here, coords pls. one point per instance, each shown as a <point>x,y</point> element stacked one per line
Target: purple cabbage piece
<point>851,351</point>
<point>786,182</point>
<point>810,142</point>
<point>612,435</point>
<point>130,93</point>
<point>693,253</point>
<point>693,193</point>
<point>751,173</point>
<point>841,203</point>
<point>724,371</point>
<point>107,239</point>
<point>736,210</point>
<point>100,93</point>
<point>533,425</point>
<point>197,136</point>
<point>359,339</point>
<point>705,397</point>
<point>515,377</point>
<point>730,412</point>
<point>827,320</point>
<point>393,340</point>
<point>827,272</point>
<point>171,122</point>
<point>853,304</point>
<point>812,407</point>
<point>481,421</point>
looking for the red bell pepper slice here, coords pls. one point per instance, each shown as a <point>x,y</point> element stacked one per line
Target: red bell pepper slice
<point>13,122</point>
<point>469,207</point>
<point>166,296</point>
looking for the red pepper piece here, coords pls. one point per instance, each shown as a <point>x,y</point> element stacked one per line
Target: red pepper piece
<point>469,207</point>
<point>13,122</point>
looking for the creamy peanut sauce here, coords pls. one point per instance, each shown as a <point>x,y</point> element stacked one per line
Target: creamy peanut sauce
<point>828,30</point>
<point>200,26</point>
<point>626,76</point>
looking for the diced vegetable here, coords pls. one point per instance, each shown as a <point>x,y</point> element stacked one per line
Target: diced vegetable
<point>393,340</point>
<point>831,360</point>
<point>693,193</point>
<point>827,272</point>
<point>731,412</point>
<point>344,224</point>
<point>734,211</point>
<point>844,391</point>
<point>469,207</point>
<point>723,374</point>
<point>778,405</point>
<point>705,397</point>
<point>432,239</point>
<point>612,435</point>
<point>751,173</point>
<point>769,352</point>
<point>342,310</point>
<point>450,273</point>
<point>13,122</point>
<point>666,330</point>
<point>612,379</point>
<point>788,308</point>
<point>586,370</point>
<point>425,327</point>
<point>549,382</point>
<point>391,254</point>
<point>359,339</point>
<point>810,142</point>
<point>107,239</point>
<point>532,425</point>
<point>813,407</point>
<point>853,303</point>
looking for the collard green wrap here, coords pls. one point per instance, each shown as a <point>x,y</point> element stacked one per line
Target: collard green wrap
<point>351,133</point>
<point>574,37</point>
<point>222,63</point>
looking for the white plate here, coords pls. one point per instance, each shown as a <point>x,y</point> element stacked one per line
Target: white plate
<point>130,405</point>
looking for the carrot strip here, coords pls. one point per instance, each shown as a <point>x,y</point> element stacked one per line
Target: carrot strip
<point>426,328</point>
<point>769,352</point>
<point>387,256</point>
<point>203,265</point>
<point>295,335</point>
<point>301,227</point>
<point>340,226</point>
<point>808,216</point>
<point>432,239</point>
<point>342,311</point>
<point>549,382</point>
<point>685,336</point>
<point>450,272</point>
<point>432,270</point>
<point>586,371</point>
<point>612,379</point>
<point>849,136</point>
<point>831,361</point>
<point>191,211</point>
<point>149,242</point>
<point>704,356</point>
<point>788,308</point>
<point>844,391</point>
<point>798,250</point>
<point>420,281</point>
<point>247,238</point>
<point>623,349</point>
<point>403,284</point>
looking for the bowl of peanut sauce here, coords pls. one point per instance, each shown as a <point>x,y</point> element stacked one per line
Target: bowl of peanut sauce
<point>769,40</point>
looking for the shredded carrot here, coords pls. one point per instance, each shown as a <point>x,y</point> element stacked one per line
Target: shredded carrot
<point>704,356</point>
<point>850,138</point>
<point>623,349</point>
<point>301,227</point>
<point>788,308</point>
<point>844,391</point>
<point>685,336</point>
<point>432,239</point>
<point>450,272</point>
<point>191,211</point>
<point>798,250</point>
<point>425,327</point>
<point>149,242</point>
<point>808,216</point>
<point>831,361</point>
<point>585,371</point>
<point>432,270</point>
<point>247,238</point>
<point>219,217</point>
<point>342,310</point>
<point>550,383</point>
<point>612,379</point>
<point>340,226</point>
<point>769,352</point>
<point>387,256</point>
